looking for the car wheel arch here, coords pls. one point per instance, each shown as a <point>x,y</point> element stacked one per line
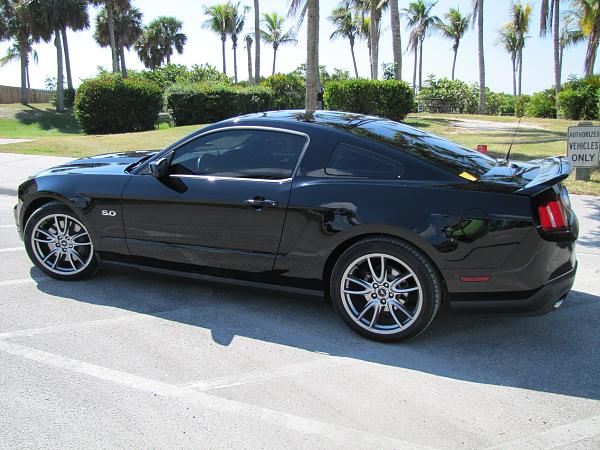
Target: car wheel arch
<point>42,200</point>
<point>335,254</point>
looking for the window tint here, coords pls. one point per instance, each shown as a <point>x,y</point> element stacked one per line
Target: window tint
<point>349,160</point>
<point>240,154</point>
<point>441,152</point>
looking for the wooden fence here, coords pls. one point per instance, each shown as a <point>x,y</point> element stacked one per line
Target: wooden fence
<point>11,94</point>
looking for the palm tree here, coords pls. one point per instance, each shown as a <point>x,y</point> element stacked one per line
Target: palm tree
<point>238,20</point>
<point>257,41</point>
<point>588,12</point>
<point>112,7</point>
<point>508,39</point>
<point>273,33</point>
<point>13,53</point>
<point>219,22</point>
<point>375,9</point>
<point>77,18</point>
<point>570,34</point>
<point>478,16</point>
<point>420,22</point>
<point>16,17</point>
<point>159,39</point>
<point>342,17</point>
<point>310,9</point>
<point>550,17</point>
<point>396,38</point>
<point>364,24</point>
<point>520,16</point>
<point>454,29</point>
<point>249,40</point>
<point>128,28</point>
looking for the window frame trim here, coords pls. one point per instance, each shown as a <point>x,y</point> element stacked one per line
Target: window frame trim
<point>237,128</point>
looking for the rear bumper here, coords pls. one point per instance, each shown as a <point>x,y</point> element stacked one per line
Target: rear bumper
<point>539,301</point>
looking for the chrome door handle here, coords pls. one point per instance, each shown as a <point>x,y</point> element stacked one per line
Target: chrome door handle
<point>259,202</point>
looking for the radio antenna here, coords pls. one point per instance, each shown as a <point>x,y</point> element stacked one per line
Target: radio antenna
<point>513,140</point>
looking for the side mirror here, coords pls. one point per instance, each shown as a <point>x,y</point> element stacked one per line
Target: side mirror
<point>160,168</point>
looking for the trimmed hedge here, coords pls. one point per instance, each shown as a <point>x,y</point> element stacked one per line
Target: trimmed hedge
<point>388,98</point>
<point>542,104</point>
<point>580,103</point>
<point>288,91</point>
<point>110,104</point>
<point>195,103</point>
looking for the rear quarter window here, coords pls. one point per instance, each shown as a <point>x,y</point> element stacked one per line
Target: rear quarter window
<point>353,161</point>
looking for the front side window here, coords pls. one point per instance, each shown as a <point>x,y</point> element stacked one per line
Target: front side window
<point>353,161</point>
<point>243,153</point>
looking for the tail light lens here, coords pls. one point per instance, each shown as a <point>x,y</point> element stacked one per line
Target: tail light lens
<point>552,216</point>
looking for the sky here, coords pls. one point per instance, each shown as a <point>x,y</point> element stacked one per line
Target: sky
<point>204,46</point>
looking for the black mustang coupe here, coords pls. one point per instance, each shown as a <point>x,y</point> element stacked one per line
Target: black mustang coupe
<point>387,220</point>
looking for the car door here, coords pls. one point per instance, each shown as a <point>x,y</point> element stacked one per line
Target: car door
<point>222,205</point>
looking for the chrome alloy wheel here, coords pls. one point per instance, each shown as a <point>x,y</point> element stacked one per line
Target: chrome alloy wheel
<point>381,293</point>
<point>62,244</point>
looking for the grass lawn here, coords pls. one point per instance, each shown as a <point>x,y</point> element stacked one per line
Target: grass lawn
<point>60,135</point>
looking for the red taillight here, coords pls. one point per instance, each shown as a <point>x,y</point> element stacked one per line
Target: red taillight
<point>552,216</point>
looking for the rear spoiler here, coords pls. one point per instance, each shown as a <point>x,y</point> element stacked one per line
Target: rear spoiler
<point>551,171</point>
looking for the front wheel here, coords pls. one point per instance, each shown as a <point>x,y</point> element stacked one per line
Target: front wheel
<point>59,243</point>
<point>385,289</point>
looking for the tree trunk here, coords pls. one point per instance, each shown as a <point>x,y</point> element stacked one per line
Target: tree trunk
<point>353,57</point>
<point>235,61</point>
<point>557,62</point>
<point>63,33</point>
<point>454,61</point>
<point>481,56</point>
<point>168,58</point>
<point>421,62</point>
<point>520,68</point>
<point>28,80</point>
<point>256,42</point>
<point>396,39</point>
<point>560,60</point>
<point>374,38</point>
<point>111,32</point>
<point>122,58</point>
<point>60,89</point>
<point>223,39</point>
<point>514,75</point>
<point>590,54</point>
<point>415,72</point>
<point>274,58</point>
<point>312,55</point>
<point>24,91</point>
<point>249,50</point>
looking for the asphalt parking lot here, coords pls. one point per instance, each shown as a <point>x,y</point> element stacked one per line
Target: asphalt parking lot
<point>136,360</point>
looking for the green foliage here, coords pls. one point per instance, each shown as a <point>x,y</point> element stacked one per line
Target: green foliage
<point>324,76</point>
<point>579,98</point>
<point>196,103</point>
<point>454,94</point>
<point>110,104</point>
<point>542,104</point>
<point>177,73</point>
<point>288,91</point>
<point>388,98</point>
<point>521,104</point>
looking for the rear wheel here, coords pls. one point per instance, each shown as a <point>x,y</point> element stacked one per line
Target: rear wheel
<point>59,243</point>
<point>385,289</point>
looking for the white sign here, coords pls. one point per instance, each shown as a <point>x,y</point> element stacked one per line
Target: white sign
<point>583,146</point>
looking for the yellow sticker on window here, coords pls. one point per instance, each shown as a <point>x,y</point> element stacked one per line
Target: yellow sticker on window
<point>468,176</point>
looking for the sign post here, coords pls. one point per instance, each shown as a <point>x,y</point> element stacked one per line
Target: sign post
<point>583,149</point>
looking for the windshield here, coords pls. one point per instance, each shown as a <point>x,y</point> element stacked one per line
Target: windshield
<point>428,147</point>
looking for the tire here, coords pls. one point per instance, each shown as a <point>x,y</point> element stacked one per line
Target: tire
<point>59,243</point>
<point>392,305</point>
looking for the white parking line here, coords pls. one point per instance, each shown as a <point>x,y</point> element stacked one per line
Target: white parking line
<point>12,249</point>
<point>561,436</point>
<point>206,401</point>
<point>261,375</point>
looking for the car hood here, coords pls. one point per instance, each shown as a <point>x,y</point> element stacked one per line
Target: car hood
<point>110,163</point>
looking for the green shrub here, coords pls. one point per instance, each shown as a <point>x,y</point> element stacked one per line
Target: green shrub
<point>578,102</point>
<point>109,104</point>
<point>521,104</point>
<point>507,105</point>
<point>453,94</point>
<point>388,98</point>
<point>195,103</point>
<point>288,91</point>
<point>542,104</point>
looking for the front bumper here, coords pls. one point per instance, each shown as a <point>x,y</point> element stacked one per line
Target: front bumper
<point>536,302</point>
<point>17,213</point>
